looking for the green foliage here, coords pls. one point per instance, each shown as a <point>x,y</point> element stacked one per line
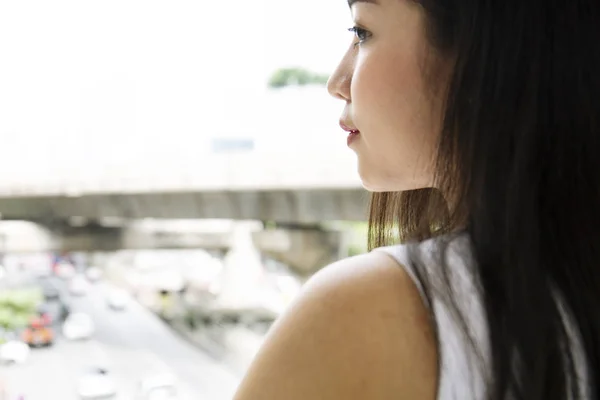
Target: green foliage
<point>355,250</point>
<point>358,238</point>
<point>17,307</point>
<point>296,77</point>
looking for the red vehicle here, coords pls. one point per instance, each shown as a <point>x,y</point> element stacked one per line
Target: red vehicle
<point>44,319</point>
<point>38,333</point>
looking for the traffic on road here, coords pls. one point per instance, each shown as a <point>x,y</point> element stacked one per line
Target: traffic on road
<point>71,333</point>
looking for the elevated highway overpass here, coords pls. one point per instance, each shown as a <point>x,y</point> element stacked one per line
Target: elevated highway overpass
<point>269,186</point>
<point>297,171</point>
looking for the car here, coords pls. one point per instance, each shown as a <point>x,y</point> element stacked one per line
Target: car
<point>96,383</point>
<point>78,326</point>
<point>43,313</point>
<point>38,334</point>
<point>157,387</point>
<point>93,274</point>
<point>65,270</point>
<point>78,286</point>
<point>50,292</point>
<point>14,352</point>
<point>117,299</point>
<point>53,312</point>
<point>49,289</point>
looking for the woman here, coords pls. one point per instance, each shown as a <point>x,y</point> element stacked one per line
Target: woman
<point>475,125</point>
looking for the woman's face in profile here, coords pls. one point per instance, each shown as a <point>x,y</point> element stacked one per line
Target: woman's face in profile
<point>382,80</point>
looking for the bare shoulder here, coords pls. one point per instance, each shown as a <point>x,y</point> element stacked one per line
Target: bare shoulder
<point>359,330</point>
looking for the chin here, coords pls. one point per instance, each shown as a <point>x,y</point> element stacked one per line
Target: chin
<point>381,184</point>
<point>376,188</point>
<point>379,180</point>
<point>373,181</point>
<point>377,184</point>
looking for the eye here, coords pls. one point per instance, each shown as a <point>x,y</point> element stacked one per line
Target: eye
<point>360,33</point>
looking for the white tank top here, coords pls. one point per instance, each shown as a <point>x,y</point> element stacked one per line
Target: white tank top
<point>462,375</point>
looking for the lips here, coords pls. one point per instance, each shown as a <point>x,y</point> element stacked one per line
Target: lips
<point>348,129</point>
<point>353,133</point>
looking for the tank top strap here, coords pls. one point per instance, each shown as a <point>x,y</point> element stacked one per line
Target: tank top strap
<point>400,255</point>
<point>461,374</point>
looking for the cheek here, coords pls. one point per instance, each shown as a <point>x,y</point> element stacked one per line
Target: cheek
<point>386,91</point>
<point>391,109</point>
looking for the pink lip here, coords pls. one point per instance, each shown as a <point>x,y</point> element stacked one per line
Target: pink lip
<point>352,136</point>
<point>352,133</point>
<point>347,128</point>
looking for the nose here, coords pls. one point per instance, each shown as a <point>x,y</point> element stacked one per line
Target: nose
<point>339,83</point>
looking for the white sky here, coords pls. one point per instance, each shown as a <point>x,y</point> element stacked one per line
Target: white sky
<point>153,76</point>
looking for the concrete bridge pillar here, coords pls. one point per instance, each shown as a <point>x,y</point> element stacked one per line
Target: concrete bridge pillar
<point>306,249</point>
<point>243,267</point>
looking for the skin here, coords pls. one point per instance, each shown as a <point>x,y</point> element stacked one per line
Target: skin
<point>381,81</point>
<point>359,329</point>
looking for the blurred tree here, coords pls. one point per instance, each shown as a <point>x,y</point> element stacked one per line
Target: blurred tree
<point>296,77</point>
<point>17,307</point>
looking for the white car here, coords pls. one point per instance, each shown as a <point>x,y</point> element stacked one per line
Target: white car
<point>159,387</point>
<point>14,351</point>
<point>78,286</point>
<point>96,383</point>
<point>65,270</point>
<point>41,270</point>
<point>117,299</point>
<point>93,274</point>
<point>78,326</point>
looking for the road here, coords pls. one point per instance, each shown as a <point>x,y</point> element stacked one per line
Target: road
<point>132,344</point>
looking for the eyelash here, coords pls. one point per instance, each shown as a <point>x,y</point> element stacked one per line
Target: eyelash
<point>360,33</point>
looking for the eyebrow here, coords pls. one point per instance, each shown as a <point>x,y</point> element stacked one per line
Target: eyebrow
<point>351,2</point>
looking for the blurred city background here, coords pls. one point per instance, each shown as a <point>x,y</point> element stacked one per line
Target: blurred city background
<point>170,175</point>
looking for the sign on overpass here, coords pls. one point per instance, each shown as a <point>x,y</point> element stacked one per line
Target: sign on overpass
<point>225,145</point>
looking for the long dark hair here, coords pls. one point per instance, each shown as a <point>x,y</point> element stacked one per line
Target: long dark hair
<point>518,169</point>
